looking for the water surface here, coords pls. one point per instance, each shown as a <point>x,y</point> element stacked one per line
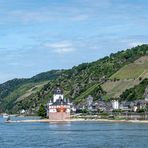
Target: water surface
<point>73,135</point>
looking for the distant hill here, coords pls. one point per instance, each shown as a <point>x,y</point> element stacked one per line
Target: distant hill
<point>104,78</point>
<point>15,89</point>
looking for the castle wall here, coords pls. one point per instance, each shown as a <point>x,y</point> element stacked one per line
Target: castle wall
<point>59,116</point>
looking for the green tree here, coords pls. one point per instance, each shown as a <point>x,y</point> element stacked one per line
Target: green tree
<point>42,111</point>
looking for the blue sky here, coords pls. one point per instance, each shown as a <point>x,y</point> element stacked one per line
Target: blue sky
<point>40,35</point>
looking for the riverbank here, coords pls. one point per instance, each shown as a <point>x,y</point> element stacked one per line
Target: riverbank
<point>76,119</point>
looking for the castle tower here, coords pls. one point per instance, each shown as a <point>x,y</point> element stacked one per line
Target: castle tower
<point>58,94</point>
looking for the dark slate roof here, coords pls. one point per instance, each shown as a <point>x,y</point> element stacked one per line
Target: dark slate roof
<point>59,102</point>
<point>58,90</point>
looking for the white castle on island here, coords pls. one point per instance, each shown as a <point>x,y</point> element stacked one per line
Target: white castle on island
<point>59,107</point>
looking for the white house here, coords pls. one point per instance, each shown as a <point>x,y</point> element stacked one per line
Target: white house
<point>115,104</point>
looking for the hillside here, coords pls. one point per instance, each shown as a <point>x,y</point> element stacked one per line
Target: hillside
<point>18,89</point>
<point>78,82</point>
<point>135,93</point>
<point>127,77</point>
<point>137,69</point>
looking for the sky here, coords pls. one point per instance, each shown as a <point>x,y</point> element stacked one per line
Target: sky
<point>40,35</point>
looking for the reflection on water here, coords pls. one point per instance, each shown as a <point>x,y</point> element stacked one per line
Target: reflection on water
<point>73,135</point>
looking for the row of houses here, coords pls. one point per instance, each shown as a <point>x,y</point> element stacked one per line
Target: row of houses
<point>115,104</point>
<point>128,106</point>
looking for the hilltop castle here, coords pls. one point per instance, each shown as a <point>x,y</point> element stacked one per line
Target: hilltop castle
<point>59,107</point>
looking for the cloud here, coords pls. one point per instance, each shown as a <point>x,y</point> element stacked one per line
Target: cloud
<point>20,64</point>
<point>29,16</point>
<point>45,14</point>
<point>80,17</point>
<point>61,47</point>
<point>78,10</point>
<point>134,44</point>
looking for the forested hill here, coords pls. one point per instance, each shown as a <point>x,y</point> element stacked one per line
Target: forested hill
<point>77,83</point>
<point>9,86</point>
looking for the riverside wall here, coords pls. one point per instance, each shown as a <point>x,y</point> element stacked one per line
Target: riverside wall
<point>59,116</point>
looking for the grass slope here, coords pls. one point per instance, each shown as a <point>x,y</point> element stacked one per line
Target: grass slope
<point>128,77</point>
<point>134,70</point>
<point>115,89</point>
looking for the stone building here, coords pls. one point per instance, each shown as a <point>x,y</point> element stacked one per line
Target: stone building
<point>89,102</point>
<point>59,108</point>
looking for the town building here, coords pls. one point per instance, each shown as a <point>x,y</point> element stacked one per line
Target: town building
<point>115,104</point>
<point>89,102</point>
<point>126,106</point>
<point>59,107</point>
<point>146,94</point>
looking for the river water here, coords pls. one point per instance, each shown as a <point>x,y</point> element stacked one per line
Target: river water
<point>73,135</point>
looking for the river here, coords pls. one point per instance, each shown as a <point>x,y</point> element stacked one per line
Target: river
<point>73,135</point>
